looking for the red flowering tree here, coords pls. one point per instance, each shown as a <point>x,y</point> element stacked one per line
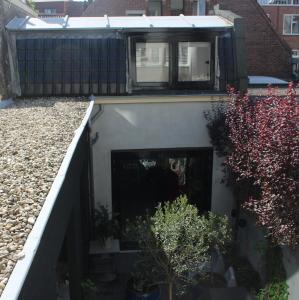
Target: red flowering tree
<point>264,137</point>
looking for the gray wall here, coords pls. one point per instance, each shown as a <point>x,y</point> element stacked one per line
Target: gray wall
<point>251,237</point>
<point>150,126</point>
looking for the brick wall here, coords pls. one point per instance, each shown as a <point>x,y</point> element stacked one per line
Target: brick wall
<point>71,8</point>
<point>276,14</point>
<point>118,8</point>
<point>267,53</point>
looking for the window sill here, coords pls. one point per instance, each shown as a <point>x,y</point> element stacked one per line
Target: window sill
<point>162,98</point>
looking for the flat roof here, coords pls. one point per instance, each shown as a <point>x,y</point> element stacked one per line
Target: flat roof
<point>118,23</point>
<point>265,80</point>
<point>33,160</point>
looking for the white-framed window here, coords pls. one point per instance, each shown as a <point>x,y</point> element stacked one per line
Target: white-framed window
<point>154,7</point>
<point>50,11</point>
<point>130,12</point>
<point>152,62</point>
<point>278,2</point>
<point>194,61</point>
<point>291,24</point>
<point>295,61</point>
<point>295,53</point>
<point>177,7</point>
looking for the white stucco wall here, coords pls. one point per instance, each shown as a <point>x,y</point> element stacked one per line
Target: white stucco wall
<point>150,126</point>
<point>251,237</point>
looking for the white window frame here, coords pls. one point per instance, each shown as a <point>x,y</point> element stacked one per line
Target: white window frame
<point>278,2</point>
<point>284,24</point>
<point>50,11</point>
<point>295,53</point>
<point>134,12</point>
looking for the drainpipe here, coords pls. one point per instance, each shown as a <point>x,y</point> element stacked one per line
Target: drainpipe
<point>201,7</point>
<point>92,140</point>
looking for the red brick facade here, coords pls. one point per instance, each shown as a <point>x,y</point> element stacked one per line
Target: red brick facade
<point>62,8</point>
<point>268,54</point>
<point>120,8</point>
<point>276,16</point>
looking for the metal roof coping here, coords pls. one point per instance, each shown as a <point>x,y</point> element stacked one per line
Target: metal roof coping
<point>107,21</point>
<point>24,22</point>
<point>147,20</point>
<point>65,19</point>
<point>183,18</point>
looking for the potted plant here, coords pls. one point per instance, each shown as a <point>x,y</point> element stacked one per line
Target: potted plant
<point>90,290</point>
<point>141,287</point>
<point>176,241</point>
<point>106,226</point>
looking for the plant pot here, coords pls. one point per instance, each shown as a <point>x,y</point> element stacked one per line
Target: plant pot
<point>153,294</point>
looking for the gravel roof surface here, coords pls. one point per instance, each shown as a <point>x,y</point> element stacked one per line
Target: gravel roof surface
<point>34,137</point>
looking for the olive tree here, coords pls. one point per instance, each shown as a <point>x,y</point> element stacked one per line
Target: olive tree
<point>176,241</point>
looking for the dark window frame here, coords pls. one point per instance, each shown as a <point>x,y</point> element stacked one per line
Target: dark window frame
<point>174,152</point>
<point>172,40</point>
<point>161,7</point>
<point>177,12</point>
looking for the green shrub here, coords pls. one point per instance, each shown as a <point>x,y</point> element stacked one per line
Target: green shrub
<point>274,291</point>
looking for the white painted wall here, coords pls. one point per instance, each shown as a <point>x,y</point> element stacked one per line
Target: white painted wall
<point>150,126</point>
<point>251,237</point>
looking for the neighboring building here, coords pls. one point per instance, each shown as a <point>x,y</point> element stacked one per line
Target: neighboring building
<point>56,8</point>
<point>99,8</point>
<point>268,54</point>
<point>284,17</point>
<point>9,10</point>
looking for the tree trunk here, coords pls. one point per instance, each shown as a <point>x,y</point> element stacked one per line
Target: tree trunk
<point>170,290</point>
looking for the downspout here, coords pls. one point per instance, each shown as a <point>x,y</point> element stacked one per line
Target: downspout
<point>92,140</point>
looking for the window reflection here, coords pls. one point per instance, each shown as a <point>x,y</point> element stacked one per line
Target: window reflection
<point>152,62</point>
<point>194,61</point>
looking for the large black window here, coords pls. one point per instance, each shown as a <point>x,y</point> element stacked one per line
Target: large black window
<point>143,178</point>
<point>172,62</point>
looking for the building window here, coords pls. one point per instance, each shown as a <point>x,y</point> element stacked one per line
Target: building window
<point>135,12</point>
<point>295,63</point>
<point>154,8</point>
<point>171,63</point>
<point>177,7</point>
<point>278,2</point>
<point>195,8</point>
<point>295,53</point>
<point>152,62</point>
<point>50,11</point>
<point>194,61</point>
<point>291,24</point>
<point>143,178</point>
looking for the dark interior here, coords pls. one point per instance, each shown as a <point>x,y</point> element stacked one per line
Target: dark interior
<point>143,178</point>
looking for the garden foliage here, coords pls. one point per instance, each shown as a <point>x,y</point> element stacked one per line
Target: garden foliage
<point>176,242</point>
<point>264,139</point>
